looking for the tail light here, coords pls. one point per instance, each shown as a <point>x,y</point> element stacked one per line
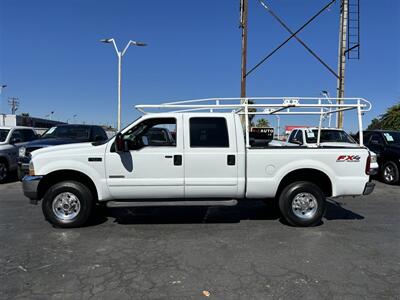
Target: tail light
<point>368,164</point>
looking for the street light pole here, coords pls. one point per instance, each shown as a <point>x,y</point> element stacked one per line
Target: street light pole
<point>120,55</point>
<point>328,97</point>
<point>2,87</point>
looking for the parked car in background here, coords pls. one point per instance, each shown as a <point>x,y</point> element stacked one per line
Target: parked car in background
<point>329,137</point>
<point>59,135</point>
<point>386,144</point>
<point>11,138</point>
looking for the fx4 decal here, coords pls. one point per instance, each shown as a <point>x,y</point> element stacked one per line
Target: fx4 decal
<point>348,158</point>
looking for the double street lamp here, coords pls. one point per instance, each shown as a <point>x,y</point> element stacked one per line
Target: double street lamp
<point>120,54</point>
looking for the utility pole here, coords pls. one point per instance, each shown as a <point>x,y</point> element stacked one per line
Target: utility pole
<point>243,26</point>
<point>14,103</point>
<point>343,30</point>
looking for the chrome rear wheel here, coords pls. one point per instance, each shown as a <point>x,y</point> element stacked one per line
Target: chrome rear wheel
<point>304,206</point>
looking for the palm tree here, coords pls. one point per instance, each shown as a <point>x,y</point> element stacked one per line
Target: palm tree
<point>390,120</point>
<point>262,123</point>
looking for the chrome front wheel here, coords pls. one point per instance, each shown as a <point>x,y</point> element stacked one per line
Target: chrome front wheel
<point>66,206</point>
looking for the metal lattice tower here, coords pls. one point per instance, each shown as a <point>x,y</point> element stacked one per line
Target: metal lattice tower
<point>353,30</point>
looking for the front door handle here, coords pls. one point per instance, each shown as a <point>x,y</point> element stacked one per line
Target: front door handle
<point>178,160</point>
<point>231,161</point>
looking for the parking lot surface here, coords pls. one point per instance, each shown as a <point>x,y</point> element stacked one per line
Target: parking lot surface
<point>241,252</point>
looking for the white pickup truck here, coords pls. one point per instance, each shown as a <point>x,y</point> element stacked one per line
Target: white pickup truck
<point>191,158</point>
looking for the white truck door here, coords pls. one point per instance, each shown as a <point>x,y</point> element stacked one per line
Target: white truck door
<point>152,168</point>
<point>210,159</point>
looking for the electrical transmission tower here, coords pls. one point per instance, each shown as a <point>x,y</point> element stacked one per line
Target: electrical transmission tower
<point>349,41</point>
<point>14,103</point>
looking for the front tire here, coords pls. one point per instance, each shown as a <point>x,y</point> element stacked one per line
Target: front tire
<point>302,204</point>
<point>68,204</point>
<point>390,173</point>
<point>4,171</point>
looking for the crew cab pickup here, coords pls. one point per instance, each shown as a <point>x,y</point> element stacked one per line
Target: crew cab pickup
<point>204,160</point>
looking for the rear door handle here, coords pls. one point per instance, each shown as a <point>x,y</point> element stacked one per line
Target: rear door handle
<point>231,160</point>
<point>178,160</point>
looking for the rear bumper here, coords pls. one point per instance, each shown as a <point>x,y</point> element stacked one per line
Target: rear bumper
<point>30,186</point>
<point>369,188</point>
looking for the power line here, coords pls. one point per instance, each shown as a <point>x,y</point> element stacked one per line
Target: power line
<point>280,21</point>
<point>289,38</point>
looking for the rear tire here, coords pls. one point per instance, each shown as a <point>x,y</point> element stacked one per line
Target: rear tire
<point>390,173</point>
<point>68,204</point>
<point>302,204</point>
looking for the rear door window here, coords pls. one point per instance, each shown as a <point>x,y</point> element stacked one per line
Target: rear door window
<point>208,133</point>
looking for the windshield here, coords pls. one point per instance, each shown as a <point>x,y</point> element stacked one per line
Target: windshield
<point>69,132</point>
<point>329,136</point>
<point>3,134</point>
<point>392,137</point>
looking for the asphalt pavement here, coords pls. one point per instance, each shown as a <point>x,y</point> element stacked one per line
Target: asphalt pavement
<point>242,252</point>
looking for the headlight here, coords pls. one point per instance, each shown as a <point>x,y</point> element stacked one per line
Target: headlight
<point>22,152</point>
<point>31,169</point>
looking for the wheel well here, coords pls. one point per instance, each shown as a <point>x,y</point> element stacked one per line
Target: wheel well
<point>317,177</point>
<point>52,178</point>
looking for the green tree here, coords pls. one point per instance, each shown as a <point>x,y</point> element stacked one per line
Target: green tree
<point>375,124</point>
<point>262,123</point>
<point>390,120</point>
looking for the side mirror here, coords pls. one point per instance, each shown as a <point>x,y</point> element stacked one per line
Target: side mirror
<point>120,144</point>
<point>15,140</point>
<point>145,141</point>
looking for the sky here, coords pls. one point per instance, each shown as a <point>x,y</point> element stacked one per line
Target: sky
<point>52,60</point>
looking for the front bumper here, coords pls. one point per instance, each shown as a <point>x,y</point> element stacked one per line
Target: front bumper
<point>369,188</point>
<point>30,187</point>
<point>23,166</point>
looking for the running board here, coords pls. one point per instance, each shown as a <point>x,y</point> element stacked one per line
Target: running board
<point>232,202</point>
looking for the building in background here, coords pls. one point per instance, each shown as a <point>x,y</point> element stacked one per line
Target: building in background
<point>26,120</point>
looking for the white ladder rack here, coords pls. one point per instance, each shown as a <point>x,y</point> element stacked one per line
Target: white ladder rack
<point>321,106</point>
